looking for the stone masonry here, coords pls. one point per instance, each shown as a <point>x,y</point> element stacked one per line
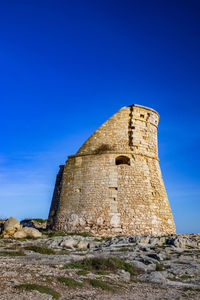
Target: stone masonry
<point>113,184</point>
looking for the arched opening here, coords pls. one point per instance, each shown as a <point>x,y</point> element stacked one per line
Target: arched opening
<point>122,160</point>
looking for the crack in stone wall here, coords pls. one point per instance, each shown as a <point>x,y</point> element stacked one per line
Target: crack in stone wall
<point>131,128</point>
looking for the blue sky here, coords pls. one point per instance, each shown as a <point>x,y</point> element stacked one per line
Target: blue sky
<point>67,66</point>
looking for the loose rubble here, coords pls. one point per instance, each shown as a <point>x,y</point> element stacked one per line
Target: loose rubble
<point>165,267</point>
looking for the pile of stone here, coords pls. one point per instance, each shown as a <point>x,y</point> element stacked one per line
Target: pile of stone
<point>13,228</point>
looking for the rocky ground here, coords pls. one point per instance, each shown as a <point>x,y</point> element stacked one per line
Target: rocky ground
<point>58,266</point>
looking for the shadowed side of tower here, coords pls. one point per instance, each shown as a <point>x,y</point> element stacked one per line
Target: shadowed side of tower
<point>113,184</point>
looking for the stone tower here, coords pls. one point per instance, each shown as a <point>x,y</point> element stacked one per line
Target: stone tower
<point>113,184</point>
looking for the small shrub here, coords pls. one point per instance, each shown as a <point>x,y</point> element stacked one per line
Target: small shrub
<point>63,252</point>
<point>185,289</point>
<point>101,284</point>
<point>162,247</point>
<point>172,278</point>
<point>39,220</point>
<point>180,263</point>
<point>98,240</point>
<point>102,272</point>
<point>40,250</point>
<point>9,253</point>
<point>122,249</point>
<point>98,264</point>
<point>146,262</point>
<point>83,234</point>
<point>159,267</point>
<point>54,234</point>
<point>186,277</point>
<point>82,272</point>
<point>40,288</point>
<point>70,282</point>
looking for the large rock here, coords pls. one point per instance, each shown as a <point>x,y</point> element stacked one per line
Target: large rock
<point>157,277</point>
<point>154,277</point>
<point>82,245</point>
<point>11,226</point>
<point>69,243</point>
<point>124,275</point>
<point>19,234</point>
<point>32,232</point>
<point>139,266</point>
<point>184,241</point>
<point>27,232</point>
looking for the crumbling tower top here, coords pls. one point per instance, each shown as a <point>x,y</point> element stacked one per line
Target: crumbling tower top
<point>133,129</point>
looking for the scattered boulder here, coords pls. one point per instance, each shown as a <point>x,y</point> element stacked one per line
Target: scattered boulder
<point>184,242</point>
<point>143,239</point>
<point>19,234</point>
<point>11,226</point>
<point>82,245</point>
<point>139,266</point>
<point>154,277</point>
<point>154,256</point>
<point>143,246</point>
<point>69,243</point>
<point>32,232</point>
<point>27,232</point>
<point>124,276</point>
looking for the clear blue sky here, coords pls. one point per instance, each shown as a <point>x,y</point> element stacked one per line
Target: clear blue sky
<point>67,66</point>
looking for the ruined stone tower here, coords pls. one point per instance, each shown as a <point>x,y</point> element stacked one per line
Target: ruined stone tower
<point>113,184</point>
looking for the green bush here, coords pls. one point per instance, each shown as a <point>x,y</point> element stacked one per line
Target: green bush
<point>100,264</point>
<point>82,272</point>
<point>9,253</point>
<point>159,267</point>
<point>70,282</point>
<point>101,284</point>
<point>39,220</point>
<point>40,250</point>
<point>40,288</point>
<point>54,234</point>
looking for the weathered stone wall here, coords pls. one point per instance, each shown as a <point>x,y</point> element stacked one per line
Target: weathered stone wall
<point>113,185</point>
<point>56,198</point>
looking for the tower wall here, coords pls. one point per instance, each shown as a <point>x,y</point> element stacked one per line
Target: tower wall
<point>113,185</point>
